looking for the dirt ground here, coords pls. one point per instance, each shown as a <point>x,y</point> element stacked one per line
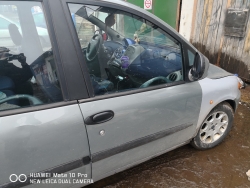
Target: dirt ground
<point>223,166</point>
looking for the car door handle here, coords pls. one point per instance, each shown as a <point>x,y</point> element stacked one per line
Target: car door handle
<point>100,117</point>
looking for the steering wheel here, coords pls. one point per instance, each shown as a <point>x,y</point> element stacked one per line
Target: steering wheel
<point>34,100</point>
<point>118,53</point>
<point>153,80</point>
<point>94,47</point>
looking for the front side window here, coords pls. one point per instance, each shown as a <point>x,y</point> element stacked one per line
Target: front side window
<point>125,52</point>
<point>191,57</point>
<point>39,19</point>
<point>28,75</point>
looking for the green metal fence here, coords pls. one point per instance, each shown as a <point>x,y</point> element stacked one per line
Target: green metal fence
<point>167,10</point>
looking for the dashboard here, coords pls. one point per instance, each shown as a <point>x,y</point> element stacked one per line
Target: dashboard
<point>144,61</point>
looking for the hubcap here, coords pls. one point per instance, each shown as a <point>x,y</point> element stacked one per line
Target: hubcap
<point>214,127</point>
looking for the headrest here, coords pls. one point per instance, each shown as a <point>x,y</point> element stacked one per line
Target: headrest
<point>110,20</point>
<point>15,35</point>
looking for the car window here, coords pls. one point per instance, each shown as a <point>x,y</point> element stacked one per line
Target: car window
<point>28,74</point>
<point>4,23</point>
<point>128,52</point>
<point>191,57</point>
<point>39,20</point>
<point>85,30</point>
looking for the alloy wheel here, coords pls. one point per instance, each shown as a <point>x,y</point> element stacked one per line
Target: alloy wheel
<point>214,127</point>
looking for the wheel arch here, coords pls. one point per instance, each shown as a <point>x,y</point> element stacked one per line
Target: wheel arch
<point>215,92</point>
<point>232,104</point>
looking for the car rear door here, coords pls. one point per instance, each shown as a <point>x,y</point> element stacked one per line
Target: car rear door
<point>129,125</point>
<point>41,125</point>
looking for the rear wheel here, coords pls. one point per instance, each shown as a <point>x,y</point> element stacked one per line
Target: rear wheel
<point>215,128</point>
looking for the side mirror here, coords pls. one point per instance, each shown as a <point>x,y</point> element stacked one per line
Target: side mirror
<point>200,67</point>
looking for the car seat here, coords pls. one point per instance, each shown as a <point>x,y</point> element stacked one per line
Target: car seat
<point>7,86</point>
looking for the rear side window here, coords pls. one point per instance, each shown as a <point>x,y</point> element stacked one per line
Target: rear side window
<point>28,73</point>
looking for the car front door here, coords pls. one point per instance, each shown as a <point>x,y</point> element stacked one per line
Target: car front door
<point>41,125</point>
<point>142,103</point>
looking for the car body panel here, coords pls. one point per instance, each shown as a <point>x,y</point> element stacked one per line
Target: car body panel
<point>215,72</point>
<point>37,141</point>
<point>141,115</point>
<point>138,155</point>
<point>217,91</point>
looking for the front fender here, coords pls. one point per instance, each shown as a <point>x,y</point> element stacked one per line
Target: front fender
<point>216,91</point>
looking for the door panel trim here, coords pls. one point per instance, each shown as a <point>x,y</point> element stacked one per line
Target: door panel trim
<point>138,142</point>
<point>49,173</point>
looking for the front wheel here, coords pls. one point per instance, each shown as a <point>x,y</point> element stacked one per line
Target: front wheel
<point>215,128</point>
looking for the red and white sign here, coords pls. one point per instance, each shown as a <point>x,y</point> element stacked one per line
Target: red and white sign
<point>148,4</point>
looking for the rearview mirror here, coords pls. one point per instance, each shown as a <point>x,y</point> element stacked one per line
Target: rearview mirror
<point>200,67</point>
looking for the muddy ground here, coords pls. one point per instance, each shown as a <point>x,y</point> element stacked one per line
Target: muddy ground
<point>223,166</point>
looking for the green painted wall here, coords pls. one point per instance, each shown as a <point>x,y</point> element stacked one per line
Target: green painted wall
<point>164,9</point>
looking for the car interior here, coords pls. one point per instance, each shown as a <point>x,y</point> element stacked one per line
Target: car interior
<point>122,61</point>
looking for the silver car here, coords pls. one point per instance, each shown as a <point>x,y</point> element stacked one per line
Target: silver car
<point>115,87</point>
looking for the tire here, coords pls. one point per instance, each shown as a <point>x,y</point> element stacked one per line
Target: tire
<point>215,127</point>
